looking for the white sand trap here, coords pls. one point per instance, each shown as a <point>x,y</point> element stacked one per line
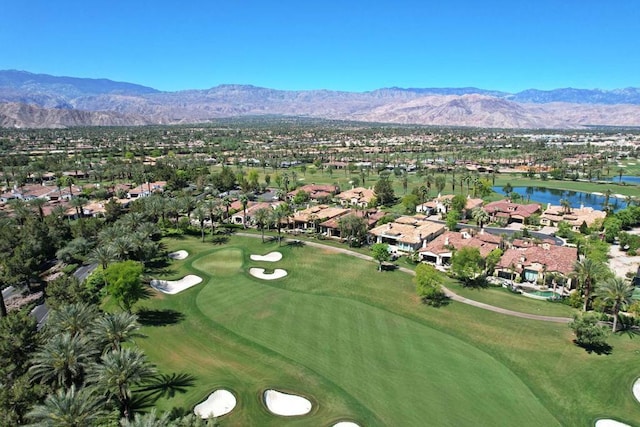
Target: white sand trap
<point>219,403</point>
<point>278,273</point>
<point>610,423</point>
<point>179,255</point>
<point>287,405</point>
<point>174,286</point>
<point>636,389</point>
<point>270,257</point>
<point>346,424</point>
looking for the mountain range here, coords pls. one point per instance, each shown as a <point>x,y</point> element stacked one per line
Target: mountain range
<point>30,100</point>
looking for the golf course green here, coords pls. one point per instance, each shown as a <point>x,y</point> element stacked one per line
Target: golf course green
<point>361,347</point>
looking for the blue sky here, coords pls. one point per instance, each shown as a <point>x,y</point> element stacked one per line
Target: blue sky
<point>340,45</point>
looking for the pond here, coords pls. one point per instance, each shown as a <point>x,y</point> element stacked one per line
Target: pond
<point>628,179</point>
<point>545,195</point>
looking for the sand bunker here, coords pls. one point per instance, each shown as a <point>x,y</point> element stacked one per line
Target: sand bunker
<point>287,405</point>
<point>179,255</point>
<point>345,424</point>
<point>610,423</point>
<point>219,403</point>
<point>278,273</point>
<point>270,257</point>
<point>174,286</point>
<point>636,389</point>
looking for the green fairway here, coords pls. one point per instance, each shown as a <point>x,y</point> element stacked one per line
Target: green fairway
<point>361,347</point>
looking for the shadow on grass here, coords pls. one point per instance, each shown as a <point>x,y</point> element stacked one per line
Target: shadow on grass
<point>168,385</point>
<point>219,239</point>
<point>599,349</point>
<point>295,243</point>
<point>436,301</point>
<point>164,317</point>
<point>163,385</point>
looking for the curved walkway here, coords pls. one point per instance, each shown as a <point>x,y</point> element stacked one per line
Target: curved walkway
<point>448,292</point>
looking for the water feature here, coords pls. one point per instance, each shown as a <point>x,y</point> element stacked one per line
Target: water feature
<point>545,195</point>
<point>628,179</point>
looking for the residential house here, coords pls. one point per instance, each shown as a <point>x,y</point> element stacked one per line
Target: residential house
<point>358,196</point>
<point>509,212</point>
<point>308,219</point>
<point>146,189</point>
<point>252,208</point>
<point>331,227</point>
<point>532,264</point>
<point>316,192</point>
<point>407,233</point>
<point>577,218</point>
<point>440,250</point>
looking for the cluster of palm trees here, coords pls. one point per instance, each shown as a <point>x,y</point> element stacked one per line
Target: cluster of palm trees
<point>83,361</point>
<point>132,237</point>
<point>596,280</point>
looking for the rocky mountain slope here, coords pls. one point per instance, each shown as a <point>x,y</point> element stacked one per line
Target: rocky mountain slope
<point>36,100</point>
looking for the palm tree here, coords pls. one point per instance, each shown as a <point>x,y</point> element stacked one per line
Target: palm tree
<point>103,255</point>
<point>480,216</point>
<point>245,201</point>
<point>111,330</point>
<point>123,245</point>
<point>62,360</point>
<point>74,319</point>
<point>214,208</point>
<point>588,271</point>
<point>117,372</point>
<point>69,408</point>
<point>226,202</point>
<point>38,203</point>
<point>566,206</point>
<point>617,292</point>
<point>200,214</point>
<point>262,217</point>
<point>151,420</point>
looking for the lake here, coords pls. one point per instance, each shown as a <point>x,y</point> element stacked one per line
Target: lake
<point>545,195</point>
<point>629,179</point>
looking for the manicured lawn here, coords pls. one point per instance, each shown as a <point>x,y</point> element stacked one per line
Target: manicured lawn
<point>360,345</point>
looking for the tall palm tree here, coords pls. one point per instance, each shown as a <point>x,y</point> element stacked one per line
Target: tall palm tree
<point>74,319</point>
<point>245,201</point>
<point>226,202</point>
<point>123,245</point>
<point>617,292</point>
<point>62,360</point>
<point>201,215</point>
<point>38,203</point>
<point>262,218</point>
<point>69,408</point>
<point>111,330</point>
<point>480,216</point>
<point>117,372</point>
<point>103,255</point>
<point>588,272</point>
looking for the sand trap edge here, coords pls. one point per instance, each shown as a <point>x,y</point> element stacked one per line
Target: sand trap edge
<point>286,404</point>
<point>181,254</point>
<point>605,422</point>
<point>270,257</point>
<point>259,273</point>
<point>205,409</point>
<point>172,287</point>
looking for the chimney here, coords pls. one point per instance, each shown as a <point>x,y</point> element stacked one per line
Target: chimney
<point>424,243</point>
<point>389,226</point>
<point>446,241</point>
